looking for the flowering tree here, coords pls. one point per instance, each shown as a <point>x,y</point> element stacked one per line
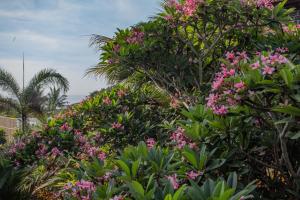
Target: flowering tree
<point>179,49</point>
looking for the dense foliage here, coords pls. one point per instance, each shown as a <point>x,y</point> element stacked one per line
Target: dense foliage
<point>209,110</point>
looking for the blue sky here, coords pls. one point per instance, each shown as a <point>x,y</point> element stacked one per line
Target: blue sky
<point>55,34</point>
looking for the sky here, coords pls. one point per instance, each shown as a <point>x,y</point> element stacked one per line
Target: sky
<point>56,33</point>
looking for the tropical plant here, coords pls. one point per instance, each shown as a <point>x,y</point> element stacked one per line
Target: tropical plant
<point>55,100</point>
<point>29,100</point>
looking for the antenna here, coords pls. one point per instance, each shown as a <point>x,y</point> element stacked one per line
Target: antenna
<point>23,72</point>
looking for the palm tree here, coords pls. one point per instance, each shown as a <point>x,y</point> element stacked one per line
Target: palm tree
<point>29,99</point>
<point>55,100</point>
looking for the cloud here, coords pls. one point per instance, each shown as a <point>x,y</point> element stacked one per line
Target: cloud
<point>54,33</point>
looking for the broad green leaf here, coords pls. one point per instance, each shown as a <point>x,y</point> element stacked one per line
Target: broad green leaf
<point>287,110</point>
<point>287,76</point>
<point>124,167</point>
<point>293,136</point>
<point>138,188</point>
<point>190,156</point>
<point>179,193</point>
<point>134,168</point>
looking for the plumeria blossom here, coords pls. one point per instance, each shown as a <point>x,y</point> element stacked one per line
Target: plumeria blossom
<point>106,100</point>
<point>226,92</point>
<point>65,127</point>
<point>255,65</point>
<point>268,70</point>
<point>55,152</point>
<point>118,197</point>
<point>187,8</point>
<point>150,143</point>
<point>117,125</point>
<point>121,93</point>
<point>174,181</point>
<point>193,175</point>
<point>136,37</point>
<point>179,138</point>
<point>258,3</point>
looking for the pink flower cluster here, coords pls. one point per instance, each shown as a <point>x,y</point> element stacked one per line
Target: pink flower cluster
<point>42,150</point>
<point>106,100</point>
<point>118,197</point>
<point>55,152</point>
<point>136,37</point>
<point>258,3</point>
<point>188,8</point>
<point>18,146</point>
<point>150,143</point>
<point>65,127</point>
<point>193,174</point>
<point>94,152</point>
<point>227,88</point>
<point>117,125</point>
<point>225,91</point>
<point>181,140</point>
<point>121,93</point>
<point>270,62</point>
<point>82,189</point>
<point>174,181</point>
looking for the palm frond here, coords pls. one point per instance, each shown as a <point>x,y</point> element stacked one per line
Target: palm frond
<point>47,77</point>
<point>8,104</point>
<point>98,40</point>
<point>8,83</point>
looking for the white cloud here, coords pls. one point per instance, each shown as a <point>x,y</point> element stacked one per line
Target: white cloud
<point>32,38</point>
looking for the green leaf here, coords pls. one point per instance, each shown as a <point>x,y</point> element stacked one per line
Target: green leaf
<point>293,136</point>
<point>168,197</point>
<point>124,167</point>
<point>179,193</point>
<point>232,180</point>
<point>287,110</point>
<point>138,188</point>
<point>287,76</point>
<point>190,156</point>
<point>134,168</point>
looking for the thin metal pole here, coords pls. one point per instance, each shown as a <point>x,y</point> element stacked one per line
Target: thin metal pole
<point>23,72</point>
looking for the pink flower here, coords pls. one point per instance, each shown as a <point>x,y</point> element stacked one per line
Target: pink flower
<point>230,56</point>
<point>243,55</point>
<point>41,151</point>
<point>298,26</point>
<point>106,100</point>
<point>65,127</point>
<point>217,83</point>
<point>117,197</point>
<point>150,143</point>
<point>174,102</point>
<point>107,176</point>
<point>55,151</point>
<point>168,17</point>
<point>173,180</point>
<point>220,110</point>
<point>116,48</point>
<point>101,155</point>
<point>255,65</point>
<point>265,4</point>
<point>193,175</point>
<point>121,93</point>
<point>212,99</point>
<point>136,37</point>
<point>239,86</point>
<point>86,185</point>
<point>117,125</point>
<point>268,70</point>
